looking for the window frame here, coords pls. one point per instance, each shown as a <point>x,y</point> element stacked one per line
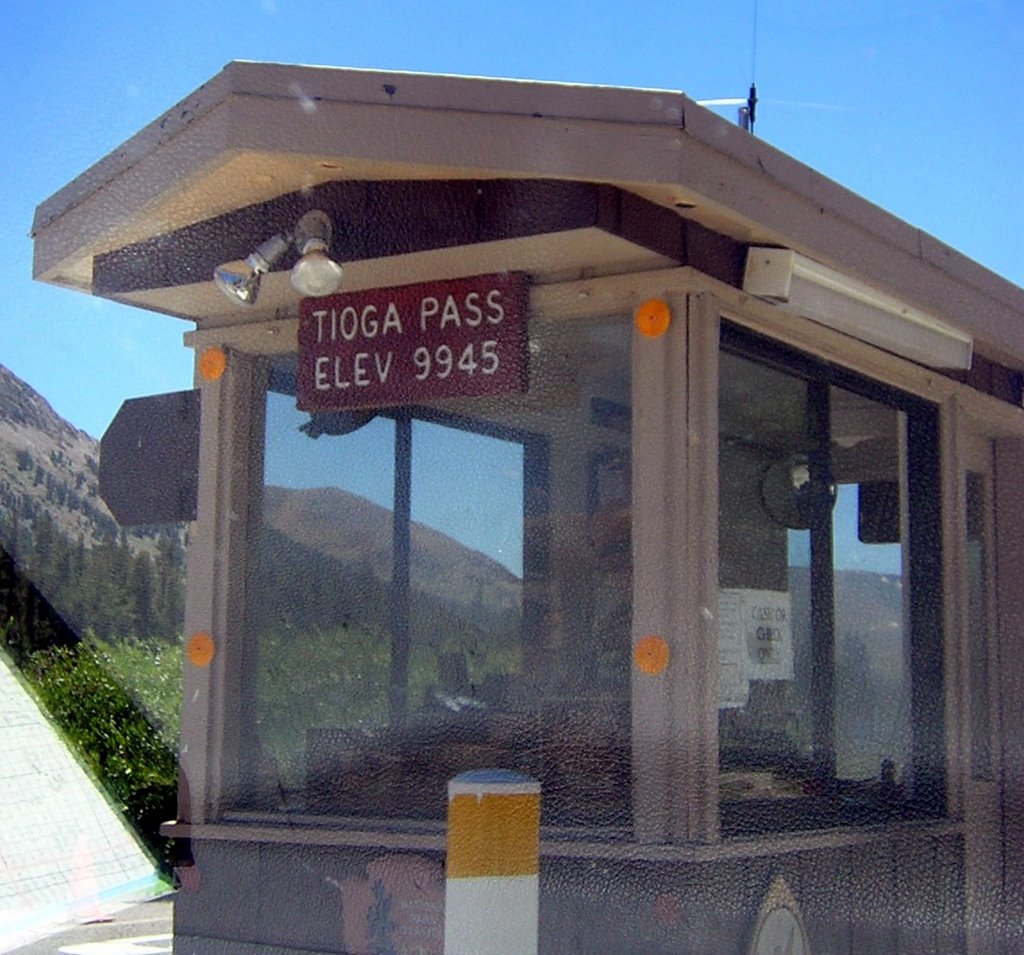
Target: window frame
<point>925,616</point>
<point>537,466</point>
<point>674,717</point>
<point>535,473</point>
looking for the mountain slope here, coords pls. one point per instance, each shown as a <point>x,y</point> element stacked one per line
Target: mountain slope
<point>46,465</point>
<point>58,533</point>
<point>50,505</point>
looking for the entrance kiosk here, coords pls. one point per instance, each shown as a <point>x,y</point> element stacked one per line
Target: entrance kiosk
<point>576,433</point>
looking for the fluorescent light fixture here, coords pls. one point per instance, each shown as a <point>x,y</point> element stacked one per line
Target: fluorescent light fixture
<point>815,291</point>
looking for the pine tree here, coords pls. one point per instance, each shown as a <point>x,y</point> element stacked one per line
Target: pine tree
<point>142,596</point>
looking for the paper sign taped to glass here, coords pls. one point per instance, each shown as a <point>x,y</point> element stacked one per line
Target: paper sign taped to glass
<point>755,641</point>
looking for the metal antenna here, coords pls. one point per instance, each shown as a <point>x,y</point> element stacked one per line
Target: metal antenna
<point>752,95</point>
<point>753,46</point>
<point>748,106</point>
<point>748,113</point>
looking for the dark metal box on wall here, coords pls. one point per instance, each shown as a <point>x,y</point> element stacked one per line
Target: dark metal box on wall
<point>149,459</point>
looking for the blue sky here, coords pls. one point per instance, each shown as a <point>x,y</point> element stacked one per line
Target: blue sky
<point>916,105</point>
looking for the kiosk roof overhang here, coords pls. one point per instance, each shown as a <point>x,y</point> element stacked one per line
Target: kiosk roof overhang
<point>606,180</point>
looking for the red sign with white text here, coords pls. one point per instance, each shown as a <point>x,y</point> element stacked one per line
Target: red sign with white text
<point>414,343</point>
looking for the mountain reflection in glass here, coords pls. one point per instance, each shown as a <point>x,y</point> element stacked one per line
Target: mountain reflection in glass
<point>445,588</point>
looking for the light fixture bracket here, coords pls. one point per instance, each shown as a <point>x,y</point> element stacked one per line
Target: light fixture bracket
<point>313,231</point>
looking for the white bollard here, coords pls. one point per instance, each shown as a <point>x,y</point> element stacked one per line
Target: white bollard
<point>493,864</point>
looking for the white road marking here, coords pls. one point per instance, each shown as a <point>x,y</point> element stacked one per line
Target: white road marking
<point>141,945</point>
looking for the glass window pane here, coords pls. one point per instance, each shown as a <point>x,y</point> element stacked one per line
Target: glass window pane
<point>447,587</point>
<point>320,596</point>
<point>872,685</point>
<point>979,623</point>
<point>815,613</point>
<point>466,568</point>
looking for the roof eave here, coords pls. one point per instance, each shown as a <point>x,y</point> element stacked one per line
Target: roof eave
<point>325,123</point>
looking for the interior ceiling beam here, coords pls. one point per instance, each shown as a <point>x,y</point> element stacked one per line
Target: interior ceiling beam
<point>377,219</point>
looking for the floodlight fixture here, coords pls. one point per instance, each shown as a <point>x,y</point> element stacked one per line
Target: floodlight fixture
<point>240,281</point>
<point>315,274</point>
<point>812,290</point>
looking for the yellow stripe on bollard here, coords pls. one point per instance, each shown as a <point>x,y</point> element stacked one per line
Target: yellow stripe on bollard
<point>491,834</point>
<point>492,870</point>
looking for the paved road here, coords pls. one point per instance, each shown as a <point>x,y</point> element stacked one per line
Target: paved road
<point>142,929</point>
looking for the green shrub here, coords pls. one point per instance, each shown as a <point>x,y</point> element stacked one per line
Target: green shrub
<point>111,736</point>
<point>149,670</point>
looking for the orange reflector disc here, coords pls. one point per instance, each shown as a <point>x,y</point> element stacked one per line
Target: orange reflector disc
<point>651,654</point>
<point>200,649</point>
<point>212,363</point>
<point>653,318</point>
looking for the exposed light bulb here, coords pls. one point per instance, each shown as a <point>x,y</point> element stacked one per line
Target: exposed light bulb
<point>316,274</point>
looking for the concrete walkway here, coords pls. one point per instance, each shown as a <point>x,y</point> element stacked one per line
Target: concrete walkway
<point>141,929</point>
<point>65,854</point>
